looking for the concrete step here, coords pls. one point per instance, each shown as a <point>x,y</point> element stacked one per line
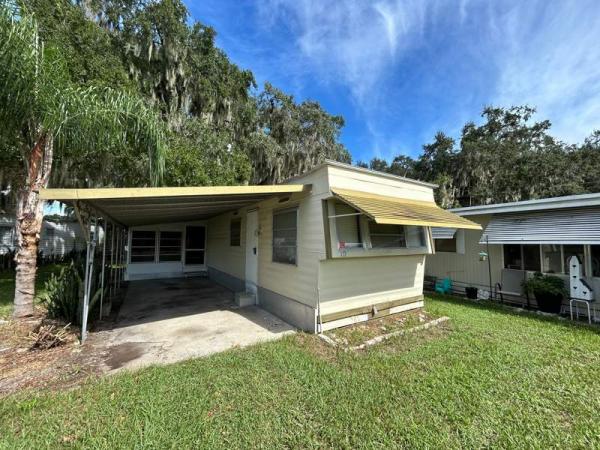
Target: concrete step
<point>245,299</point>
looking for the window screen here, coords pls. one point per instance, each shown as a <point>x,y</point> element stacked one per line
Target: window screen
<point>285,236</point>
<point>445,245</point>
<point>195,238</point>
<point>551,258</point>
<point>170,246</point>
<point>512,257</point>
<point>387,236</point>
<point>347,225</point>
<point>235,231</point>
<point>531,258</point>
<point>143,246</point>
<point>595,254</point>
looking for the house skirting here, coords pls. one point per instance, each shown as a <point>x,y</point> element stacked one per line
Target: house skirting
<point>232,283</point>
<point>293,312</point>
<point>374,311</point>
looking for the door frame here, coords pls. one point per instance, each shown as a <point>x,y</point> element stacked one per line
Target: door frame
<point>194,267</point>
<point>251,285</point>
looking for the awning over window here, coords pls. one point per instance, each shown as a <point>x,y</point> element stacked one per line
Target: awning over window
<point>399,211</point>
<point>561,226</point>
<point>442,233</point>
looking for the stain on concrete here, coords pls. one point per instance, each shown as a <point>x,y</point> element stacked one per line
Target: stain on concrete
<point>121,354</point>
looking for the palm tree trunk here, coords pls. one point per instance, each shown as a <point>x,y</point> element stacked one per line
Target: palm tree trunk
<point>28,224</point>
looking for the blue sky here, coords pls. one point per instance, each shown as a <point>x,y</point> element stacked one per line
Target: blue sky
<point>398,71</point>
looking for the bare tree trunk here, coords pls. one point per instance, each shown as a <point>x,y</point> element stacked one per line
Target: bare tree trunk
<point>28,224</point>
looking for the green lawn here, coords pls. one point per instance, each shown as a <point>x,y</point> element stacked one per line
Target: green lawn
<point>496,378</point>
<point>7,287</point>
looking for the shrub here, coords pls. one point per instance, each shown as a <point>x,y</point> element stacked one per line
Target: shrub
<point>62,294</point>
<point>546,284</point>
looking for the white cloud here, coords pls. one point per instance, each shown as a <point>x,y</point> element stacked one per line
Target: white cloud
<point>551,60</point>
<point>346,41</point>
<point>542,53</point>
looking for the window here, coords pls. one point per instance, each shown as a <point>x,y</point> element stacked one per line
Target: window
<point>285,236</point>
<point>170,246</point>
<point>143,246</point>
<point>573,250</point>
<point>551,258</point>
<point>595,256</point>
<point>415,236</point>
<point>6,235</point>
<point>445,245</point>
<point>512,257</point>
<point>50,233</point>
<point>347,225</point>
<point>531,258</point>
<point>235,232</point>
<point>387,236</point>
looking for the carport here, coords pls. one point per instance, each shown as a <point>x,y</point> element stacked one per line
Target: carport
<point>116,210</point>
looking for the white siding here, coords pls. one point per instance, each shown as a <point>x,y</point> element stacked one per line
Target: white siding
<point>220,255</point>
<point>367,281</point>
<point>349,179</point>
<point>466,267</point>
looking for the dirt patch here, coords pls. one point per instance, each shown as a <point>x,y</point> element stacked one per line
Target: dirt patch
<point>358,333</point>
<point>121,354</point>
<point>61,367</point>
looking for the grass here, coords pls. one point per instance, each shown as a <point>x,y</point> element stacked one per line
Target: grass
<point>7,287</point>
<point>495,378</point>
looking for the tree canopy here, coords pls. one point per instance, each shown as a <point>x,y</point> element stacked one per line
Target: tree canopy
<point>220,128</point>
<point>508,157</point>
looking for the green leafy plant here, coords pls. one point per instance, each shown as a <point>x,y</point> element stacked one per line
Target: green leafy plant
<point>62,294</point>
<point>545,284</point>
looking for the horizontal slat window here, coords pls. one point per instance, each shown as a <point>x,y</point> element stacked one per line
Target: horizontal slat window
<point>143,246</point>
<point>285,232</point>
<point>170,246</point>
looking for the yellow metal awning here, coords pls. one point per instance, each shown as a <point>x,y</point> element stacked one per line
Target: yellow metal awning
<point>398,211</point>
<point>148,206</point>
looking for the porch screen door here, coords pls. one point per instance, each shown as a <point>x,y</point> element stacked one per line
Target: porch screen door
<point>195,245</point>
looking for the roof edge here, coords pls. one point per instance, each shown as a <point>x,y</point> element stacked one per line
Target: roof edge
<point>564,202</point>
<point>333,163</point>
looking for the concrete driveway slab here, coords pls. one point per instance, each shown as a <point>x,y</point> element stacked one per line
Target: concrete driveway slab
<point>165,321</point>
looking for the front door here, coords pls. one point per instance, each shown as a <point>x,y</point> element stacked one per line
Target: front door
<point>252,251</point>
<point>195,247</point>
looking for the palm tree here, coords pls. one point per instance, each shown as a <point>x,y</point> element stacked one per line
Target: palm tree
<point>52,122</point>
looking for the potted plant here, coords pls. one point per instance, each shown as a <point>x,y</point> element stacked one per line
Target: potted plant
<point>471,292</point>
<point>548,290</point>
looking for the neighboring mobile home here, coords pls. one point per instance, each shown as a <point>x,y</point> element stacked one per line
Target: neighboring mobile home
<point>521,238</point>
<point>336,245</point>
<point>58,237</point>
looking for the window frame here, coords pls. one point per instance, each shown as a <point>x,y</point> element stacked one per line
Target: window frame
<point>159,246</point>
<point>130,249</point>
<point>587,259</point>
<point>276,212</point>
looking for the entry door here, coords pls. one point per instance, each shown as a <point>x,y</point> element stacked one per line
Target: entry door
<point>252,251</point>
<point>195,247</point>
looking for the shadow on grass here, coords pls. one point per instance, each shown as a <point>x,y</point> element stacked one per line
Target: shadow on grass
<point>488,305</point>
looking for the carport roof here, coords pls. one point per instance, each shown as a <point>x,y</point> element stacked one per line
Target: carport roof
<point>145,206</point>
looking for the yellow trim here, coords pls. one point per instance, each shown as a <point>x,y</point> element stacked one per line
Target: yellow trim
<point>398,211</point>
<point>115,193</point>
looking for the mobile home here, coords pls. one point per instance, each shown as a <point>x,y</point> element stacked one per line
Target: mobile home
<point>519,239</point>
<point>334,246</point>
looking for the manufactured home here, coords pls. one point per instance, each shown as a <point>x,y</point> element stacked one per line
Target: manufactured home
<point>518,239</point>
<point>334,246</point>
<point>58,237</point>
